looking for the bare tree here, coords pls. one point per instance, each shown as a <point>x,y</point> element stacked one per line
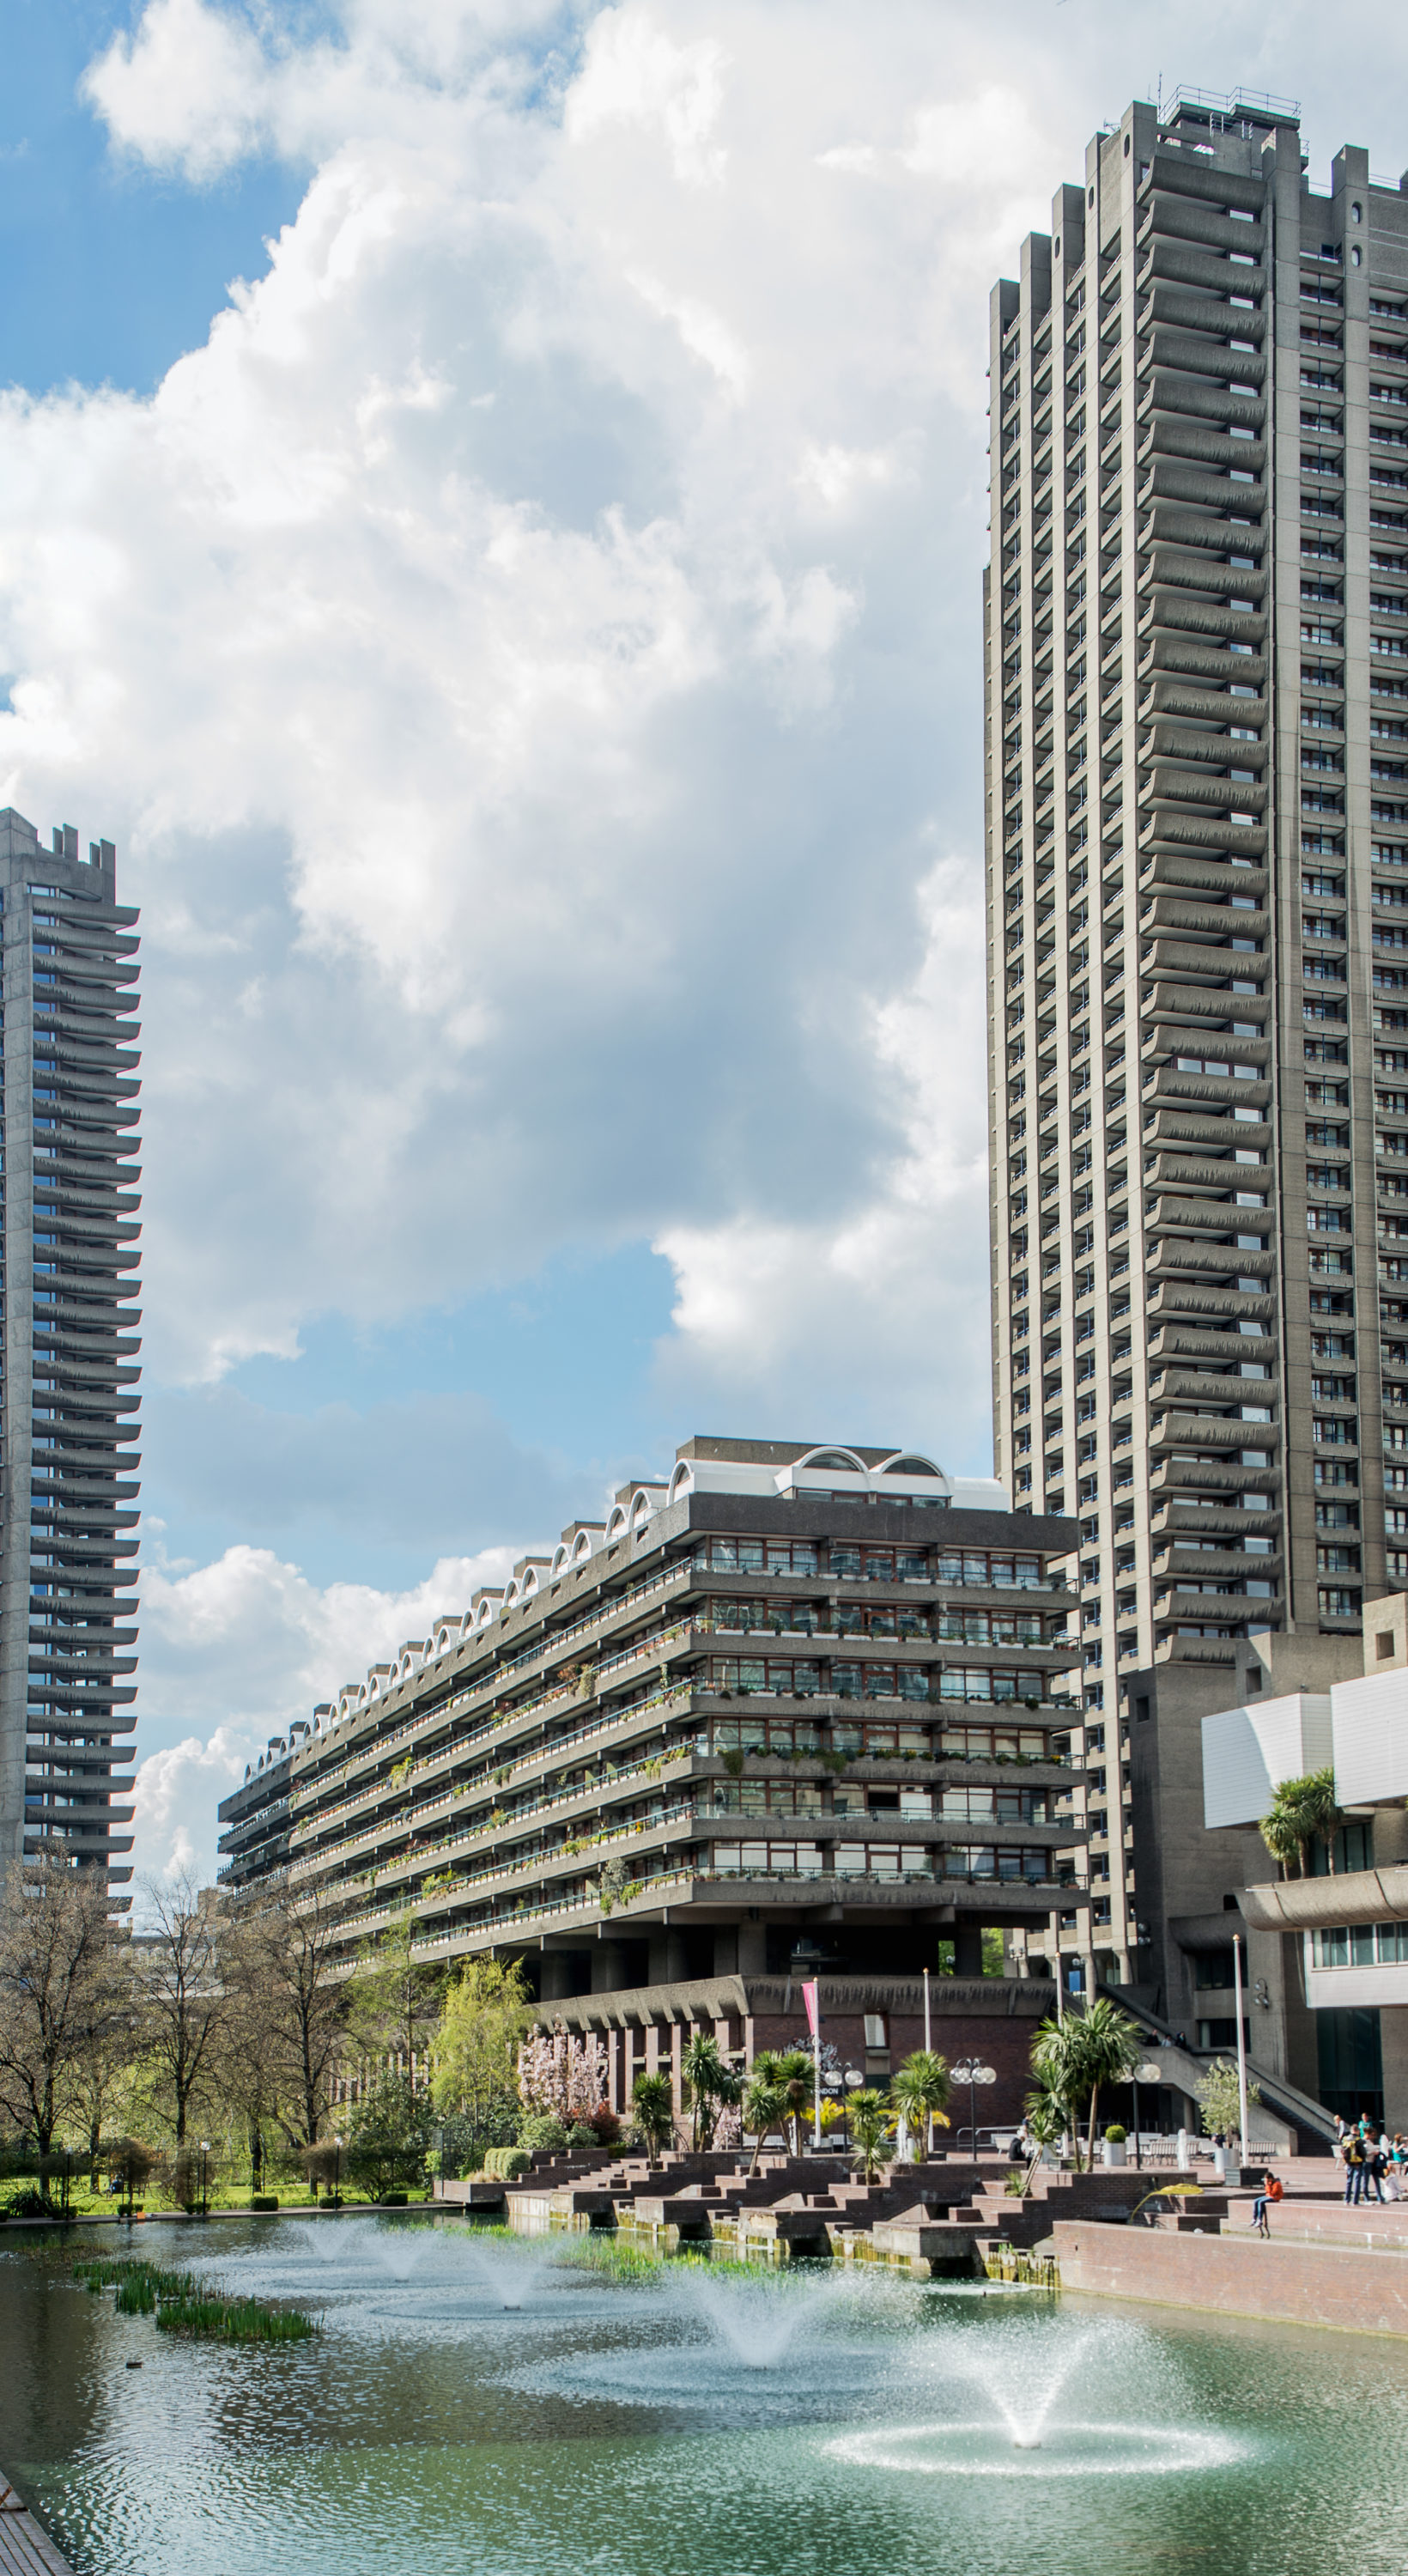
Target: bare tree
<point>183,2000</point>
<point>61,1985</point>
<point>284,1960</point>
<point>94,2079</point>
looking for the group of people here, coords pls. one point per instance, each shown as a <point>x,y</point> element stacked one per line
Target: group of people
<point>1375,2165</point>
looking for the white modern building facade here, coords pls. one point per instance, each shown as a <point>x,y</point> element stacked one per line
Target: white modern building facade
<point>1331,1945</point>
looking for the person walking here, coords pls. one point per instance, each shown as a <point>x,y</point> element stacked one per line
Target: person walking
<point>1353,2169</point>
<point>1375,2167</point>
<point>1272,2189</point>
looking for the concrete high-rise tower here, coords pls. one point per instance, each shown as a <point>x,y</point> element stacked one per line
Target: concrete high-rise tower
<point>1197,852</point>
<point>68,1485</point>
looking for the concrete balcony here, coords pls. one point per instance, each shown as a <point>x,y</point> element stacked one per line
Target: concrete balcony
<point>1214,1216</point>
<point>1310,1904</point>
<point>1168,1432</point>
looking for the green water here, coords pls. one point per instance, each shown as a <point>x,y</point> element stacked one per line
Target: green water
<point>687,2423</point>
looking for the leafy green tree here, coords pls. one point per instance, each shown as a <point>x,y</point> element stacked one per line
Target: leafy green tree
<point>872,2125</point>
<point>474,2056</point>
<point>542,2132</point>
<point>393,2001</point>
<point>389,2136</point>
<point>919,2091</point>
<point>653,2110</point>
<point>1220,2100</point>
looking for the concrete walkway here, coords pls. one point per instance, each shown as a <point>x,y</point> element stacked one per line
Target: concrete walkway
<point>25,2550</point>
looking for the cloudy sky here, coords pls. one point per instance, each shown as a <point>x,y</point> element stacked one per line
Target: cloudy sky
<point>491,515</point>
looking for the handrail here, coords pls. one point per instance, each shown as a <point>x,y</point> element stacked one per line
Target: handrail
<point>651,1888</point>
<point>495,1677</point>
<point>509,1717</point>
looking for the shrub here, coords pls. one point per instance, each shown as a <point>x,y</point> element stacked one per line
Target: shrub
<point>581,2134</point>
<point>505,2164</point>
<point>393,2200</point>
<point>264,2200</point>
<point>543,2132</point>
<point>604,2124</point>
<point>1116,2135</point>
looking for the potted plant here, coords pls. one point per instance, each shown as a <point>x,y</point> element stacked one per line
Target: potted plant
<point>1113,2150</point>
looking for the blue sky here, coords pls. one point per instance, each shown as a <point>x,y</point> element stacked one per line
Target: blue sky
<point>492,501</point>
<point>111,269</point>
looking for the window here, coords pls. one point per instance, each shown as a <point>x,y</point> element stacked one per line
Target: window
<point>1354,1843</point>
<point>1361,1945</point>
<point>1022,1573</point>
<point>995,1743</point>
<point>1213,1968</point>
<point>1223,2034</point>
<point>766,1860</point>
<point>794,1679</point>
<point>996,1860</point>
<point>746,1554</point>
<point>791,1557</point>
<point>966,1683</point>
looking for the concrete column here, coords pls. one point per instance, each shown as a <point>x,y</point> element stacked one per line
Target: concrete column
<point>968,1950</point>
<point>558,1978</point>
<point>609,1968</point>
<point>1393,2039</point>
<point>667,1958</point>
<point>752,1949</point>
<point>676,2053</point>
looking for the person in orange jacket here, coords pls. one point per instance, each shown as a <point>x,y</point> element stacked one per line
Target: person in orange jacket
<point>1272,2189</point>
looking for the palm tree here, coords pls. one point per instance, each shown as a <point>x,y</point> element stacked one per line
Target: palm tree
<point>1110,2050</point>
<point>920,2092</point>
<point>652,2103</point>
<point>1319,1806</point>
<point>764,2108</point>
<point>1302,1812</point>
<point>704,2072</point>
<point>1281,1833</point>
<point>792,2073</point>
<point>1056,2066</point>
<point>871,2123</point>
<point>1071,2059</point>
<point>1047,2123</point>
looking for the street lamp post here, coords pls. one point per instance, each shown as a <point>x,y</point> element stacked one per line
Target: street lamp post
<point>1149,2073</point>
<point>204,2178</point>
<point>971,2072</point>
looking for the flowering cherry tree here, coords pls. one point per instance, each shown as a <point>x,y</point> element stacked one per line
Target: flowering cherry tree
<point>560,2073</point>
